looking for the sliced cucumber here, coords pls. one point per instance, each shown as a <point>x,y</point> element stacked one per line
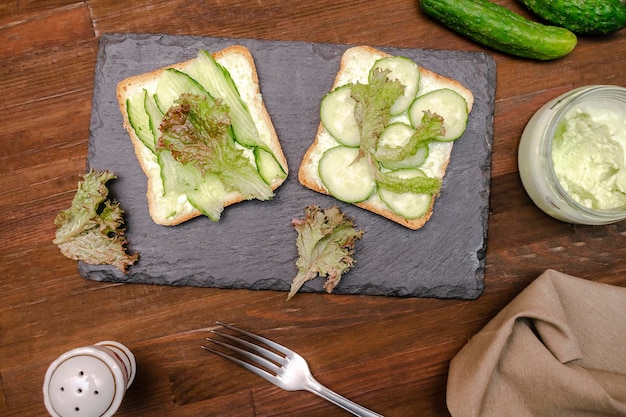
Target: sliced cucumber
<point>267,165</point>
<point>140,120</point>
<point>407,72</point>
<point>177,178</point>
<point>395,135</point>
<point>337,116</point>
<point>208,196</point>
<point>217,81</point>
<point>172,177</point>
<point>185,181</point>
<point>171,84</point>
<point>154,114</point>
<point>446,103</point>
<point>407,205</point>
<point>346,179</point>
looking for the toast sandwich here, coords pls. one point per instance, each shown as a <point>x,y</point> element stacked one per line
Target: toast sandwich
<point>178,190</point>
<point>429,113</point>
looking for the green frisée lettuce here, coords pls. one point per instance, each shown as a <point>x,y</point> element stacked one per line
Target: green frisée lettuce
<point>417,185</point>
<point>430,127</point>
<point>371,111</point>
<point>372,115</point>
<point>218,82</point>
<point>326,241</point>
<point>210,139</point>
<point>92,228</point>
<point>205,193</point>
<point>198,132</point>
<point>385,132</point>
<point>385,141</point>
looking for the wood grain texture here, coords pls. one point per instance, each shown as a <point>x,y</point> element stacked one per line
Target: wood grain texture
<point>390,354</point>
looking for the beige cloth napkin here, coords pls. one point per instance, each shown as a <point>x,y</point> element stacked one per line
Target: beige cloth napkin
<point>558,349</point>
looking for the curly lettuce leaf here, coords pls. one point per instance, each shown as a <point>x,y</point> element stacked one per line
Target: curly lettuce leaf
<point>92,229</point>
<point>431,127</point>
<point>325,242</point>
<point>372,108</point>
<point>198,132</point>
<point>417,185</point>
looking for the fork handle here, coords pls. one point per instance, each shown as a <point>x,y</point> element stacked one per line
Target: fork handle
<point>354,408</point>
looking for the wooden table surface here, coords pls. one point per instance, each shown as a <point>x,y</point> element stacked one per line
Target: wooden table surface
<point>390,354</point>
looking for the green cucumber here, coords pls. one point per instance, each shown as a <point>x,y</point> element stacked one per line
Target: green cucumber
<point>154,114</point>
<point>500,28</point>
<point>185,184</point>
<point>268,167</point>
<point>217,81</point>
<point>446,103</point>
<point>389,174</point>
<point>208,196</point>
<point>585,17</point>
<point>171,84</point>
<point>337,116</point>
<point>398,134</point>
<point>407,205</point>
<point>344,177</point>
<point>407,73</point>
<point>140,120</point>
<point>172,177</point>
<point>177,178</point>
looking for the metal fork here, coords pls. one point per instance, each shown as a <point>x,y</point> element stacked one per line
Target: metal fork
<point>288,370</point>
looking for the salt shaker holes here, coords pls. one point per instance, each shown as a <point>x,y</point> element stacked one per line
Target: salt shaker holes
<point>89,381</point>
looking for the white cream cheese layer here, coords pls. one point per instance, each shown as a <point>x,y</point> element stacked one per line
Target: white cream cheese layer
<point>589,155</point>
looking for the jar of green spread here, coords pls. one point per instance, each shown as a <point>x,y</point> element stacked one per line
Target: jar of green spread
<point>572,156</point>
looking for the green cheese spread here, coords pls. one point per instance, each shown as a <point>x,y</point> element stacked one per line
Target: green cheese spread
<point>588,153</point>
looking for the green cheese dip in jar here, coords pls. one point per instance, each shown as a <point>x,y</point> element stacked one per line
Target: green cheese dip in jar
<point>572,156</point>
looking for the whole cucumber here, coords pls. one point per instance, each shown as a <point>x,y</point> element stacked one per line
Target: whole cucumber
<point>500,28</point>
<point>585,17</point>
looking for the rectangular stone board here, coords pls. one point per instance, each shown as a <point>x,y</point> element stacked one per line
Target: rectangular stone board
<point>253,245</point>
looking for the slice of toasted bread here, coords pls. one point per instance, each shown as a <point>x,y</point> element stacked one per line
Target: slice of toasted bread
<point>354,67</point>
<point>240,64</point>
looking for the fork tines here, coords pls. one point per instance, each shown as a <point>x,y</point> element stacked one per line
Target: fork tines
<point>254,355</point>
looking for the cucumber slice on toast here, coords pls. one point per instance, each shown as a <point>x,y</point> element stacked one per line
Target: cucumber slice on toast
<point>217,81</point>
<point>346,179</point>
<point>337,116</point>
<point>171,84</point>
<point>208,196</point>
<point>182,181</point>
<point>140,120</point>
<point>446,103</point>
<point>407,73</point>
<point>398,134</point>
<point>154,114</point>
<point>268,167</point>
<point>407,205</point>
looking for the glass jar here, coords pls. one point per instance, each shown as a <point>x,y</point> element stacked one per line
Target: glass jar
<point>535,158</point>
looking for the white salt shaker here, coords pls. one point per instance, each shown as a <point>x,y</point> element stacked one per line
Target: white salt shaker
<point>89,381</point>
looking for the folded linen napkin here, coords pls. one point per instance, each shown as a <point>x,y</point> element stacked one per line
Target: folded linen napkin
<point>558,349</point>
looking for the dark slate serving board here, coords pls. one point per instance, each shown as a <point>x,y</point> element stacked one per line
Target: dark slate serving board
<point>253,245</point>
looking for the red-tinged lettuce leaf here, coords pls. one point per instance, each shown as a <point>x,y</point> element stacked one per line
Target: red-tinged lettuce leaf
<point>199,132</point>
<point>326,241</point>
<point>92,229</point>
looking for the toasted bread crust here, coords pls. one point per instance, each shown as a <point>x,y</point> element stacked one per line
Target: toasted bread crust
<point>307,173</point>
<point>127,87</point>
